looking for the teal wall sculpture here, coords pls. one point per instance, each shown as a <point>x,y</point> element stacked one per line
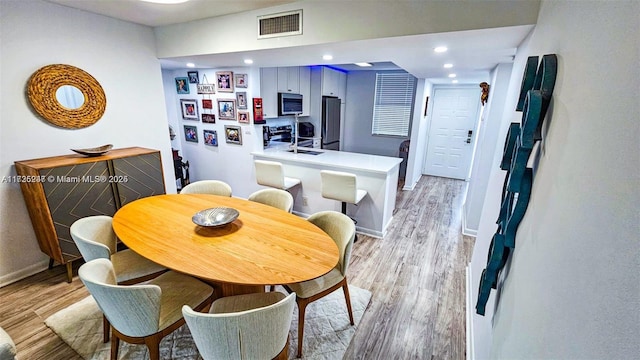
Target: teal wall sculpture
<point>535,96</point>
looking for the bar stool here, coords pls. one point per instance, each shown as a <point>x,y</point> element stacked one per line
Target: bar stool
<point>341,186</point>
<point>270,173</point>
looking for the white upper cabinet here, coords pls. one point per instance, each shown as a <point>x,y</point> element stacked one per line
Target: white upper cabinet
<point>334,83</point>
<point>269,91</point>
<point>291,79</point>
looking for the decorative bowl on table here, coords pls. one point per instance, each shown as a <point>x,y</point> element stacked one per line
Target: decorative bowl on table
<point>96,151</point>
<point>214,217</point>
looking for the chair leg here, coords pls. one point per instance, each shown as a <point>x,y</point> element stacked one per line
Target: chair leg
<point>106,329</point>
<point>115,343</point>
<point>345,289</point>
<point>153,344</point>
<point>302,306</point>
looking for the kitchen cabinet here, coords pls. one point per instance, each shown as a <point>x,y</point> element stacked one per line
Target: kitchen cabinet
<point>334,83</point>
<point>291,79</point>
<point>269,92</point>
<point>63,189</point>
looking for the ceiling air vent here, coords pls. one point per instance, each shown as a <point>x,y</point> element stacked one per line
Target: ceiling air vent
<point>281,24</point>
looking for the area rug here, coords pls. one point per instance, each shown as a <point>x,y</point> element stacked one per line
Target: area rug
<point>327,330</point>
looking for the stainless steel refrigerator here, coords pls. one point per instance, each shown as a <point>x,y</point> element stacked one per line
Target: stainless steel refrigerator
<point>330,123</point>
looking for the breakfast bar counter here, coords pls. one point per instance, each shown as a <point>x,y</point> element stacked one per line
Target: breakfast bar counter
<point>378,175</point>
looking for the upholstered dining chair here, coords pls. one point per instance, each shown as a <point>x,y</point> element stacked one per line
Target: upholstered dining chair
<point>213,187</point>
<point>271,173</point>
<point>342,230</point>
<point>7,346</point>
<point>143,313</point>
<point>94,237</point>
<point>277,198</point>
<point>251,326</point>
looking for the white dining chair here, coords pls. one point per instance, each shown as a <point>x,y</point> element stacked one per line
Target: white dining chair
<point>251,326</point>
<point>7,346</point>
<point>143,313</point>
<point>277,198</point>
<point>94,237</point>
<point>213,187</point>
<point>342,230</point>
<point>271,173</point>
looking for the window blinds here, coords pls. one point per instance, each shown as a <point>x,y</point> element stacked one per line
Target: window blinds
<point>393,104</point>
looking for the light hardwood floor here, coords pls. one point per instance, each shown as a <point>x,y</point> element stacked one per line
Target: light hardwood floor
<point>416,275</point>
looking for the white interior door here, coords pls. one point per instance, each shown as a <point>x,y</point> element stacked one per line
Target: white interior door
<point>452,132</point>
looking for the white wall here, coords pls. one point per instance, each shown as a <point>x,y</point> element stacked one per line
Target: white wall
<point>419,132</point>
<point>349,20</point>
<point>361,87</point>
<point>120,55</point>
<point>231,163</point>
<point>574,279</point>
<point>488,142</point>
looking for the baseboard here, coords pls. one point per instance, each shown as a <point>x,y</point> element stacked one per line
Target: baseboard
<point>465,229</point>
<point>469,331</point>
<point>23,273</point>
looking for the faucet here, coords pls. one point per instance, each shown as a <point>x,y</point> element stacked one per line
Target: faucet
<point>295,134</point>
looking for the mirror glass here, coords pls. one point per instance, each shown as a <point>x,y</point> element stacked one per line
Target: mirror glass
<point>70,96</point>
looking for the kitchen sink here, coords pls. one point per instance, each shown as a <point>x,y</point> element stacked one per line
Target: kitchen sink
<point>308,152</point>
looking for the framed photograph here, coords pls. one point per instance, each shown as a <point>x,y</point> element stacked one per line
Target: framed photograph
<point>206,89</point>
<point>224,79</point>
<point>241,100</point>
<point>191,133</point>
<point>189,109</point>
<point>226,109</point>
<point>193,77</point>
<point>210,137</point>
<point>207,104</point>
<point>209,118</point>
<point>233,134</point>
<point>243,117</point>
<point>241,80</point>
<point>182,85</point>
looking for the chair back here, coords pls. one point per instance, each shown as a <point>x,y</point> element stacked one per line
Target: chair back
<point>339,186</point>
<point>341,229</point>
<point>277,198</point>
<point>7,346</point>
<point>269,173</point>
<point>213,187</point>
<point>259,333</point>
<point>94,237</point>
<point>133,310</point>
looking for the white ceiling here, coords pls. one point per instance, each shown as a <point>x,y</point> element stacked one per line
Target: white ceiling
<point>473,53</point>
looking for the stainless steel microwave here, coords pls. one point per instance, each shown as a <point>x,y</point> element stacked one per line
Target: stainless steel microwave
<point>289,104</point>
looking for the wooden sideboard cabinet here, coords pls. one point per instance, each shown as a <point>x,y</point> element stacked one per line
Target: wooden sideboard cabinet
<point>62,189</point>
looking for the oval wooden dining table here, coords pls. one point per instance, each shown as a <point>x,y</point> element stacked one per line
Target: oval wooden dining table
<point>263,246</point>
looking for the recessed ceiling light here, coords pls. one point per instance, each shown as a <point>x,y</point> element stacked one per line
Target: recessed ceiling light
<point>363,64</point>
<point>248,61</point>
<point>166,1</point>
<point>454,81</point>
<point>440,49</point>
<point>327,57</point>
<point>191,65</point>
<point>452,75</point>
<point>448,66</point>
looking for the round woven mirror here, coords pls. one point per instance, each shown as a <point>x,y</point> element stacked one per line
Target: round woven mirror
<point>45,97</point>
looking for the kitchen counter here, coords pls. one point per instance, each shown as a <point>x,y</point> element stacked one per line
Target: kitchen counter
<point>378,175</point>
<point>338,159</point>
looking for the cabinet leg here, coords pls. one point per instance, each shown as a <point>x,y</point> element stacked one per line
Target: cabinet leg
<point>50,263</point>
<point>69,265</point>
